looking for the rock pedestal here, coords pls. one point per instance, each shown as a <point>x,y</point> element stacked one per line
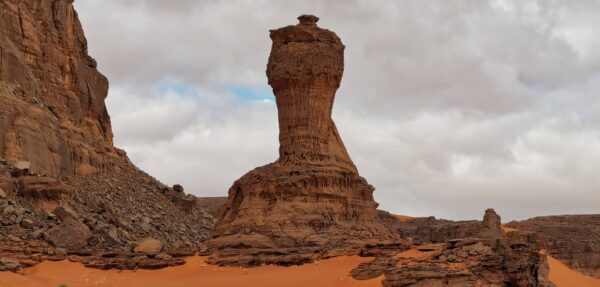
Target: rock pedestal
<point>312,196</point>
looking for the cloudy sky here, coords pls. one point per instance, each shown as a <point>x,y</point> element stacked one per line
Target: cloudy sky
<point>446,107</point>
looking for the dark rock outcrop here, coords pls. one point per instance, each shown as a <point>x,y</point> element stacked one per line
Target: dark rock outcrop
<point>312,199</point>
<point>572,239</point>
<point>491,258</point>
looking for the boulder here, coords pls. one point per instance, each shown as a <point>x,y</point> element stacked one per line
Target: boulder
<point>149,245</point>
<point>70,234</point>
<point>20,168</point>
<point>178,188</point>
<point>64,212</point>
<point>7,264</point>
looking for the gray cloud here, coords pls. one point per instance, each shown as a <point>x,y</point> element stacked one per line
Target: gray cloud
<point>447,108</point>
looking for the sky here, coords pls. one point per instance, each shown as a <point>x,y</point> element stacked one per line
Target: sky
<point>446,107</point>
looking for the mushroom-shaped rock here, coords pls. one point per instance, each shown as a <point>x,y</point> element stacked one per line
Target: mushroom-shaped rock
<point>312,198</point>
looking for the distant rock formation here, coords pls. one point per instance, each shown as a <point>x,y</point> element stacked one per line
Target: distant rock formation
<point>490,259</point>
<point>52,111</point>
<point>572,239</point>
<point>312,197</point>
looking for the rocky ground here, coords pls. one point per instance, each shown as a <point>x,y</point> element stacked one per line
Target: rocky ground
<point>99,220</point>
<point>489,257</point>
<point>572,239</point>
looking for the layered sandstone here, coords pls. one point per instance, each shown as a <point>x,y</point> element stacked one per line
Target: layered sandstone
<point>311,199</point>
<point>488,258</point>
<point>52,111</point>
<point>65,190</point>
<point>572,239</point>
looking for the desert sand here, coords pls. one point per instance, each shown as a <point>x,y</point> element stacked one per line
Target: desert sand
<point>331,272</point>
<point>563,276</point>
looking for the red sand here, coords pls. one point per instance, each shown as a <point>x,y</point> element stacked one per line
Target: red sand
<point>331,272</point>
<point>563,276</point>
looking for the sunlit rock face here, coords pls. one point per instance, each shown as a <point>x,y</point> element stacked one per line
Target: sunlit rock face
<point>52,111</point>
<point>312,196</point>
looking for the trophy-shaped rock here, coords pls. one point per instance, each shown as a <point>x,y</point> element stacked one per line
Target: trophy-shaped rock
<point>312,200</point>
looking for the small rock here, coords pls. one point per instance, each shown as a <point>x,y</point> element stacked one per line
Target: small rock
<point>14,238</point>
<point>60,251</point>
<point>20,168</point>
<point>27,223</point>
<point>163,256</point>
<point>2,193</point>
<point>178,188</point>
<point>149,245</point>
<point>65,212</point>
<point>7,264</point>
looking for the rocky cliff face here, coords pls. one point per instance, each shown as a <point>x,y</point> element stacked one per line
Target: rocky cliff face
<point>573,239</point>
<point>52,111</point>
<point>65,191</point>
<point>312,197</point>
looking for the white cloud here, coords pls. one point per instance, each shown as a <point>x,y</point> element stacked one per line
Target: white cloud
<point>447,108</point>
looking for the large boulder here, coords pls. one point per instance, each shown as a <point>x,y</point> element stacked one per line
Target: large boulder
<point>149,245</point>
<point>70,234</point>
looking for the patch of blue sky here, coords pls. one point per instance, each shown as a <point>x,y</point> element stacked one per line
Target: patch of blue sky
<point>246,94</point>
<point>177,88</point>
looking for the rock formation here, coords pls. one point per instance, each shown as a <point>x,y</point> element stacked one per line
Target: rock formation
<point>52,111</point>
<point>572,239</point>
<point>65,190</point>
<point>312,196</point>
<point>490,258</point>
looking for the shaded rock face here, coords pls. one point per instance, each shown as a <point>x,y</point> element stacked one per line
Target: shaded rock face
<point>52,111</point>
<point>312,196</point>
<point>572,239</point>
<point>430,229</point>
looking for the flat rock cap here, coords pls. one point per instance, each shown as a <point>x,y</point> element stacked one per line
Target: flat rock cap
<point>308,19</point>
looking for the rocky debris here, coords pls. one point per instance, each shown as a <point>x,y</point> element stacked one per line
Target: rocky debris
<point>472,261</point>
<point>424,230</point>
<point>211,205</point>
<point>44,192</point>
<point>7,264</point>
<point>572,239</point>
<point>71,234</point>
<point>109,212</point>
<point>185,201</point>
<point>311,199</point>
<point>149,245</point>
<point>65,188</point>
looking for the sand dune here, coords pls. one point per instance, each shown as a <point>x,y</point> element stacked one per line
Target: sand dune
<point>563,276</point>
<point>332,272</point>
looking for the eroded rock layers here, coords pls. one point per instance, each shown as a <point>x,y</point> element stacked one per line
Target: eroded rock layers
<point>65,191</point>
<point>573,239</point>
<point>488,258</point>
<point>52,111</point>
<point>312,198</point>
